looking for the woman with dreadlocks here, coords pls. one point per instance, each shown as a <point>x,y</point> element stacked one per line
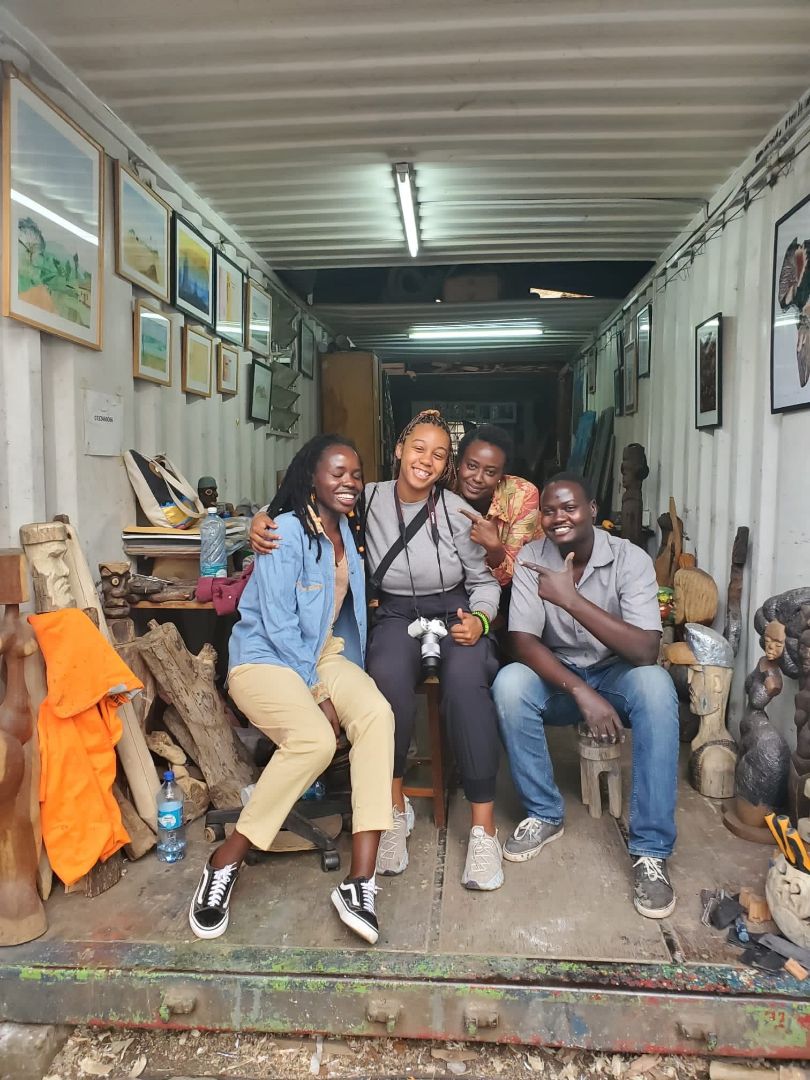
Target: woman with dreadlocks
<point>423,566</point>
<point>296,671</point>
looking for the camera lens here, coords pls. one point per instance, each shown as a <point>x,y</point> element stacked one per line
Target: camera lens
<point>431,655</point>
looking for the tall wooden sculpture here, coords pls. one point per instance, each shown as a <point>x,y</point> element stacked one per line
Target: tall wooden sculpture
<point>714,753</point>
<point>635,471</point>
<point>22,916</point>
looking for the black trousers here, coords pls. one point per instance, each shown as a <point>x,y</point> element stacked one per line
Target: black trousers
<point>466,674</point>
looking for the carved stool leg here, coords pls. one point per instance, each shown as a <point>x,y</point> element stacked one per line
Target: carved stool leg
<point>615,792</point>
<point>583,780</point>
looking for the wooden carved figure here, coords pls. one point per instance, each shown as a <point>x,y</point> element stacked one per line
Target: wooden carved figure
<point>46,550</point>
<point>739,555</point>
<point>22,916</point>
<point>669,553</point>
<point>760,785</point>
<point>207,490</point>
<point>787,890</point>
<point>695,597</point>
<point>634,472</point>
<point>799,772</point>
<point>714,753</point>
<point>114,588</point>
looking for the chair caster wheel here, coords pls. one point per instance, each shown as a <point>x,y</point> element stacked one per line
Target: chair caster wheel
<point>330,860</point>
<point>214,833</point>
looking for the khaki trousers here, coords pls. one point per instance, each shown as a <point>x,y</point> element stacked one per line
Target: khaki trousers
<point>278,702</point>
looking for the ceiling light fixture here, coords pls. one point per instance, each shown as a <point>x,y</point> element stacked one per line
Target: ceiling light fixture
<point>476,333</point>
<point>404,179</point>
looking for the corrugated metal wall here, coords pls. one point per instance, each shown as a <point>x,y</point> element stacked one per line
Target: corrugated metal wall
<point>43,467</point>
<point>755,469</point>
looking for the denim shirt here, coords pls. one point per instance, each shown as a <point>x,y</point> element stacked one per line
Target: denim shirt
<point>288,605</point>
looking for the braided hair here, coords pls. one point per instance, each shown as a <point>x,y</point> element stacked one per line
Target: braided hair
<point>296,494</point>
<point>435,419</point>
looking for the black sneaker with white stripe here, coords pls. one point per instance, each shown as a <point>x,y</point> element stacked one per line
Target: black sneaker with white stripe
<point>208,914</point>
<point>354,903</point>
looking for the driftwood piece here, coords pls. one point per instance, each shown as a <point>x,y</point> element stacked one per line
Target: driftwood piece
<point>160,743</point>
<point>196,797</point>
<point>176,727</point>
<point>141,837</point>
<point>739,555</point>
<point>187,682</point>
<point>130,653</point>
<point>22,916</point>
<point>102,877</point>
<point>78,589</point>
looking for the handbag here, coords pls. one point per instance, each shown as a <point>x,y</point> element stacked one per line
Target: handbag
<point>165,496</point>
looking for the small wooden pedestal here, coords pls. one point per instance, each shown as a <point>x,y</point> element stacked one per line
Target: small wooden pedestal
<point>595,758</point>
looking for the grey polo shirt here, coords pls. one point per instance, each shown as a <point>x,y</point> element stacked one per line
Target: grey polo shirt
<point>619,578</point>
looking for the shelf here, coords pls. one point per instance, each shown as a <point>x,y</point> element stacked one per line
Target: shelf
<point>281,434</point>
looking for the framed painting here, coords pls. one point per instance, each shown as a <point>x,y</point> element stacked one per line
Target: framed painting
<point>630,370</point>
<point>142,224</point>
<point>151,344</point>
<point>261,392</point>
<point>644,340</point>
<point>790,311</point>
<point>258,319</point>
<point>192,272</point>
<point>198,356</point>
<point>307,350</point>
<point>53,218</point>
<point>230,300</point>
<point>227,368</point>
<point>709,372</point>
<point>591,367</point>
<point>618,375</point>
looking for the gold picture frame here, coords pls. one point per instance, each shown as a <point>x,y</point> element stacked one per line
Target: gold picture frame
<point>198,355</point>
<point>142,235</point>
<point>228,357</point>
<point>151,344</point>
<point>258,319</point>
<point>53,222</point>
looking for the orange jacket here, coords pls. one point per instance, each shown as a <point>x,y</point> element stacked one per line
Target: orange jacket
<point>78,729</point>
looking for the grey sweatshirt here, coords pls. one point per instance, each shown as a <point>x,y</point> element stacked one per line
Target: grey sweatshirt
<point>461,559</point>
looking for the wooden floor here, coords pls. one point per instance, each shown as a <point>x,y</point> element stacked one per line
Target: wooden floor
<point>572,902</point>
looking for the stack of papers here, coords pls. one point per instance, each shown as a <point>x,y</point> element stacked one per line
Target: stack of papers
<point>153,540</point>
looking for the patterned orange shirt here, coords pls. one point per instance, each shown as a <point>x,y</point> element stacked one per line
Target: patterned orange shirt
<point>516,509</point>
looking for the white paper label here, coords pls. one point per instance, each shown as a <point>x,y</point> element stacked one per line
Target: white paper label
<point>103,424</point>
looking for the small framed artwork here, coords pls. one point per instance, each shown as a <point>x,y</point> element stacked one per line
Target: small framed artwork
<point>790,311</point>
<point>258,319</point>
<point>630,396</point>
<point>307,350</point>
<point>261,391</point>
<point>227,368</point>
<point>151,345</point>
<point>230,300</point>
<point>709,372</point>
<point>644,340</point>
<point>198,356</point>
<point>53,218</point>
<point>142,227</point>
<point>591,366</point>
<point>192,272</point>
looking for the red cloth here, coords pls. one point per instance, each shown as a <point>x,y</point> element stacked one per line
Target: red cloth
<point>223,592</point>
<point>78,730</point>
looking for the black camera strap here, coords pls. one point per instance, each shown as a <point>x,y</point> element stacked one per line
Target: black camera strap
<point>430,510</point>
<point>400,544</point>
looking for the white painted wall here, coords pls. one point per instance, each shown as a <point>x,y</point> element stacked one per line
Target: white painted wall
<point>755,469</point>
<point>43,467</point>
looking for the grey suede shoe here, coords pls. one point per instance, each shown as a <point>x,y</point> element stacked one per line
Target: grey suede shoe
<point>529,839</point>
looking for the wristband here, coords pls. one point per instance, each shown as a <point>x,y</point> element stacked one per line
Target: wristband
<point>482,619</point>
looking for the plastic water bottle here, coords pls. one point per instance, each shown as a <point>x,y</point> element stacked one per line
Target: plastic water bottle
<point>213,559</point>
<point>171,840</point>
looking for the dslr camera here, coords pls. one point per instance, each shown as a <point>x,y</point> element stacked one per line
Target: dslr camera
<point>430,633</point>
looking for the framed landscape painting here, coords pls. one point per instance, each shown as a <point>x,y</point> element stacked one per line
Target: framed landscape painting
<point>230,320</point>
<point>198,355</point>
<point>192,272</point>
<point>261,392</point>
<point>258,318</point>
<point>53,214</point>
<point>790,311</point>
<point>644,340</point>
<point>709,372</point>
<point>151,345</point>
<point>227,368</point>
<point>142,223</point>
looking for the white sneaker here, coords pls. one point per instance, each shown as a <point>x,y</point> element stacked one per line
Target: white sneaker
<point>483,869</point>
<point>392,855</point>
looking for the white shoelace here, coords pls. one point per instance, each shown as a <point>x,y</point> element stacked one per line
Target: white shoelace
<point>369,891</point>
<point>391,839</point>
<point>530,827</point>
<point>653,868</point>
<point>218,884</point>
<point>483,853</point>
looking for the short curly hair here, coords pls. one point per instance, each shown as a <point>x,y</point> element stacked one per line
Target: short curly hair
<point>488,433</point>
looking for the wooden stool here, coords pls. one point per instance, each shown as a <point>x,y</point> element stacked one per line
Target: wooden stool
<point>438,784</point>
<point>596,757</point>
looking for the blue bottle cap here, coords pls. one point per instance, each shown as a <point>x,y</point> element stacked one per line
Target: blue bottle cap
<point>168,775</point>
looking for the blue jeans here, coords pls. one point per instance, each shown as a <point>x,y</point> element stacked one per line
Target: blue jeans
<point>644,698</point>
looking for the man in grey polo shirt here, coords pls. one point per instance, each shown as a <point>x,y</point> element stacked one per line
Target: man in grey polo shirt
<point>584,626</point>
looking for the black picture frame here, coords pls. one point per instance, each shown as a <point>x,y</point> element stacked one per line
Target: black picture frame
<point>630,372</point>
<point>644,327</point>
<point>229,326</point>
<point>307,348</point>
<point>261,392</point>
<point>618,376</point>
<point>709,373</point>
<point>202,310</point>
<point>790,350</point>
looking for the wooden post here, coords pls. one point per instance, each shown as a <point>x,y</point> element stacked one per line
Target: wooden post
<point>22,916</point>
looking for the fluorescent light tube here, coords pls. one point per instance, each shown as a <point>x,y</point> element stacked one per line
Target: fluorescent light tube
<point>403,176</point>
<point>476,334</point>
